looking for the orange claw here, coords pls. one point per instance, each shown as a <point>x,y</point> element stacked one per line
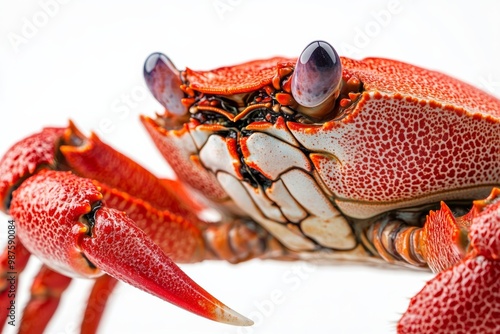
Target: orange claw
<point>62,221</point>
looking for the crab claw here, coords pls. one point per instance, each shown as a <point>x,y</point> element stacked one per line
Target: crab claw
<point>164,82</point>
<point>61,219</point>
<point>316,80</point>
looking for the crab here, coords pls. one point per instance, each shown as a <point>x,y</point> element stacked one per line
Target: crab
<point>316,158</point>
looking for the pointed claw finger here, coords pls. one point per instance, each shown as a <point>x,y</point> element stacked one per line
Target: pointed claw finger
<point>119,248</point>
<point>96,304</point>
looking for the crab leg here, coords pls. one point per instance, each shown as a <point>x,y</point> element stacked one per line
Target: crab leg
<point>46,292</point>
<point>9,275</point>
<point>46,289</point>
<point>96,304</point>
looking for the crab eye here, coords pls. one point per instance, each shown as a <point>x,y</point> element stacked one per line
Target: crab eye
<point>164,82</point>
<point>316,79</point>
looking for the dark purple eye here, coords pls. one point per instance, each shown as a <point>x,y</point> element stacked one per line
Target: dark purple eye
<point>164,82</point>
<point>317,75</point>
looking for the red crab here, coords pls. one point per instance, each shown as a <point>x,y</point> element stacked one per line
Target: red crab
<point>319,157</point>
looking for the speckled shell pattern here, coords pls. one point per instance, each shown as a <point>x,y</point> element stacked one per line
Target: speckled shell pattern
<point>413,133</point>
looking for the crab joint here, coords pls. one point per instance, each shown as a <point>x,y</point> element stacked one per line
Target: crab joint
<point>395,241</point>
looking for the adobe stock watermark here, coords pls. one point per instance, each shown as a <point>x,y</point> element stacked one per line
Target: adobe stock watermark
<point>222,7</point>
<point>31,25</point>
<point>292,280</point>
<point>370,30</point>
<point>121,109</point>
<point>11,275</point>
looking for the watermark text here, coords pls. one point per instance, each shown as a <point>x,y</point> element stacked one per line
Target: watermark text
<point>32,24</point>
<point>11,274</point>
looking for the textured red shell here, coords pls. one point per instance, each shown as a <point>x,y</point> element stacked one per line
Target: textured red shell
<point>236,79</point>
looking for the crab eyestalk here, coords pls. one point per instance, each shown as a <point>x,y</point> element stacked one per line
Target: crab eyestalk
<point>317,79</point>
<point>164,81</point>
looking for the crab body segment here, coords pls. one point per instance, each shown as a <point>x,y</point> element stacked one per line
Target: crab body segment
<point>321,157</point>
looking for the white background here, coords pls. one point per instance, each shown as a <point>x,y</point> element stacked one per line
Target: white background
<point>83,60</point>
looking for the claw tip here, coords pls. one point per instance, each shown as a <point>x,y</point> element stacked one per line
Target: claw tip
<point>228,316</point>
